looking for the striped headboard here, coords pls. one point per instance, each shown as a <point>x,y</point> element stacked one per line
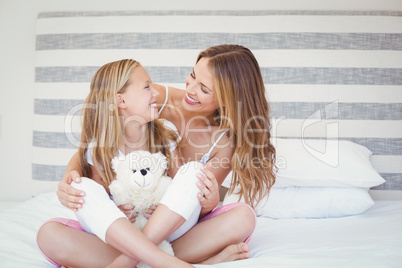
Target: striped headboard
<point>329,74</point>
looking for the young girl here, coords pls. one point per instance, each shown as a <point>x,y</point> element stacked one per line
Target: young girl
<point>223,119</point>
<point>118,118</point>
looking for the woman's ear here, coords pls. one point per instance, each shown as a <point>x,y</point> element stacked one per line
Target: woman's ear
<point>120,102</point>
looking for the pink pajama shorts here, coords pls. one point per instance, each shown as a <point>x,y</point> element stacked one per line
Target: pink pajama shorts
<point>67,222</point>
<point>228,207</point>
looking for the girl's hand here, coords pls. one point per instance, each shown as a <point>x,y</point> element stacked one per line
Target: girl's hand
<point>149,212</point>
<point>127,209</point>
<point>68,196</point>
<point>210,189</point>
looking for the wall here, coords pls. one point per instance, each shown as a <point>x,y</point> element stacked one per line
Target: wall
<point>17,45</point>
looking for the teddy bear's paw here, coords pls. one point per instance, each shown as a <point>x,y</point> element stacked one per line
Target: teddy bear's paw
<point>166,247</point>
<point>143,265</point>
<point>140,222</point>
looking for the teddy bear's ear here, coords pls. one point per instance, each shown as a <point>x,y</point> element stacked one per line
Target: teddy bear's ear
<point>159,157</point>
<point>160,161</point>
<point>115,163</point>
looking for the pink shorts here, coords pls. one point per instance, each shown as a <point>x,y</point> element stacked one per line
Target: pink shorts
<point>228,207</point>
<point>67,222</point>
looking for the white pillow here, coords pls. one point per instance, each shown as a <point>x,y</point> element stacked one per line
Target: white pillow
<point>324,163</point>
<point>344,164</point>
<point>311,202</point>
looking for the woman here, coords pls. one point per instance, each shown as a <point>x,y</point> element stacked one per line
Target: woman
<point>224,94</point>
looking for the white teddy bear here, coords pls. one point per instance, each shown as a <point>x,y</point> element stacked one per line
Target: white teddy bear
<point>140,181</point>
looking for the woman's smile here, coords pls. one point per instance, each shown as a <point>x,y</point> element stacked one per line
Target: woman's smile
<point>190,100</point>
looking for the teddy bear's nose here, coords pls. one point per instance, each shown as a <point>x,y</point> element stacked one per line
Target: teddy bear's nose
<point>144,172</point>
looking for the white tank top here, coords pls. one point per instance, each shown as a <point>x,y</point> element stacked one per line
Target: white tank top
<point>206,156</point>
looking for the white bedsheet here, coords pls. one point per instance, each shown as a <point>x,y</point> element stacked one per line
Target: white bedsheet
<point>373,239</point>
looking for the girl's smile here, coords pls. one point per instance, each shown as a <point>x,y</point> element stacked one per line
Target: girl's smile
<point>138,92</point>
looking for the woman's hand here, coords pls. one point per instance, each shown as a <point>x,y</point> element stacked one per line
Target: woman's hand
<point>68,195</point>
<point>210,189</point>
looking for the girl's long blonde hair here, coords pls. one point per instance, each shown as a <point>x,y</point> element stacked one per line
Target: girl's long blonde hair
<point>244,110</point>
<point>101,124</point>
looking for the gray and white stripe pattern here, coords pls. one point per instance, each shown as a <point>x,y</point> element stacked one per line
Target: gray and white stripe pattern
<point>310,61</point>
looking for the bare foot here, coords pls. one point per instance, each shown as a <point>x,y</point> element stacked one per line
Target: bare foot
<point>230,253</point>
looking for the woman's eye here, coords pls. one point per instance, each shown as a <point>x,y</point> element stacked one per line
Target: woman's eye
<point>192,75</point>
<point>203,90</point>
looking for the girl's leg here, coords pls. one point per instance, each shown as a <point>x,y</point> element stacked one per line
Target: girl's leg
<point>134,244</point>
<point>218,238</point>
<point>65,245</point>
<point>72,247</point>
<point>163,220</point>
<point>101,217</point>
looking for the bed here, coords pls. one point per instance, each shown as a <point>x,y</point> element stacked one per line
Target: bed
<point>371,239</point>
<point>334,81</point>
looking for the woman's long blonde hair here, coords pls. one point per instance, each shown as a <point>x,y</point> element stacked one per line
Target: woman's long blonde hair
<point>244,110</point>
<point>101,124</point>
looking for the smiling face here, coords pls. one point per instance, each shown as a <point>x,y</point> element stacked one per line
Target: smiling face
<point>138,97</point>
<point>200,92</point>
